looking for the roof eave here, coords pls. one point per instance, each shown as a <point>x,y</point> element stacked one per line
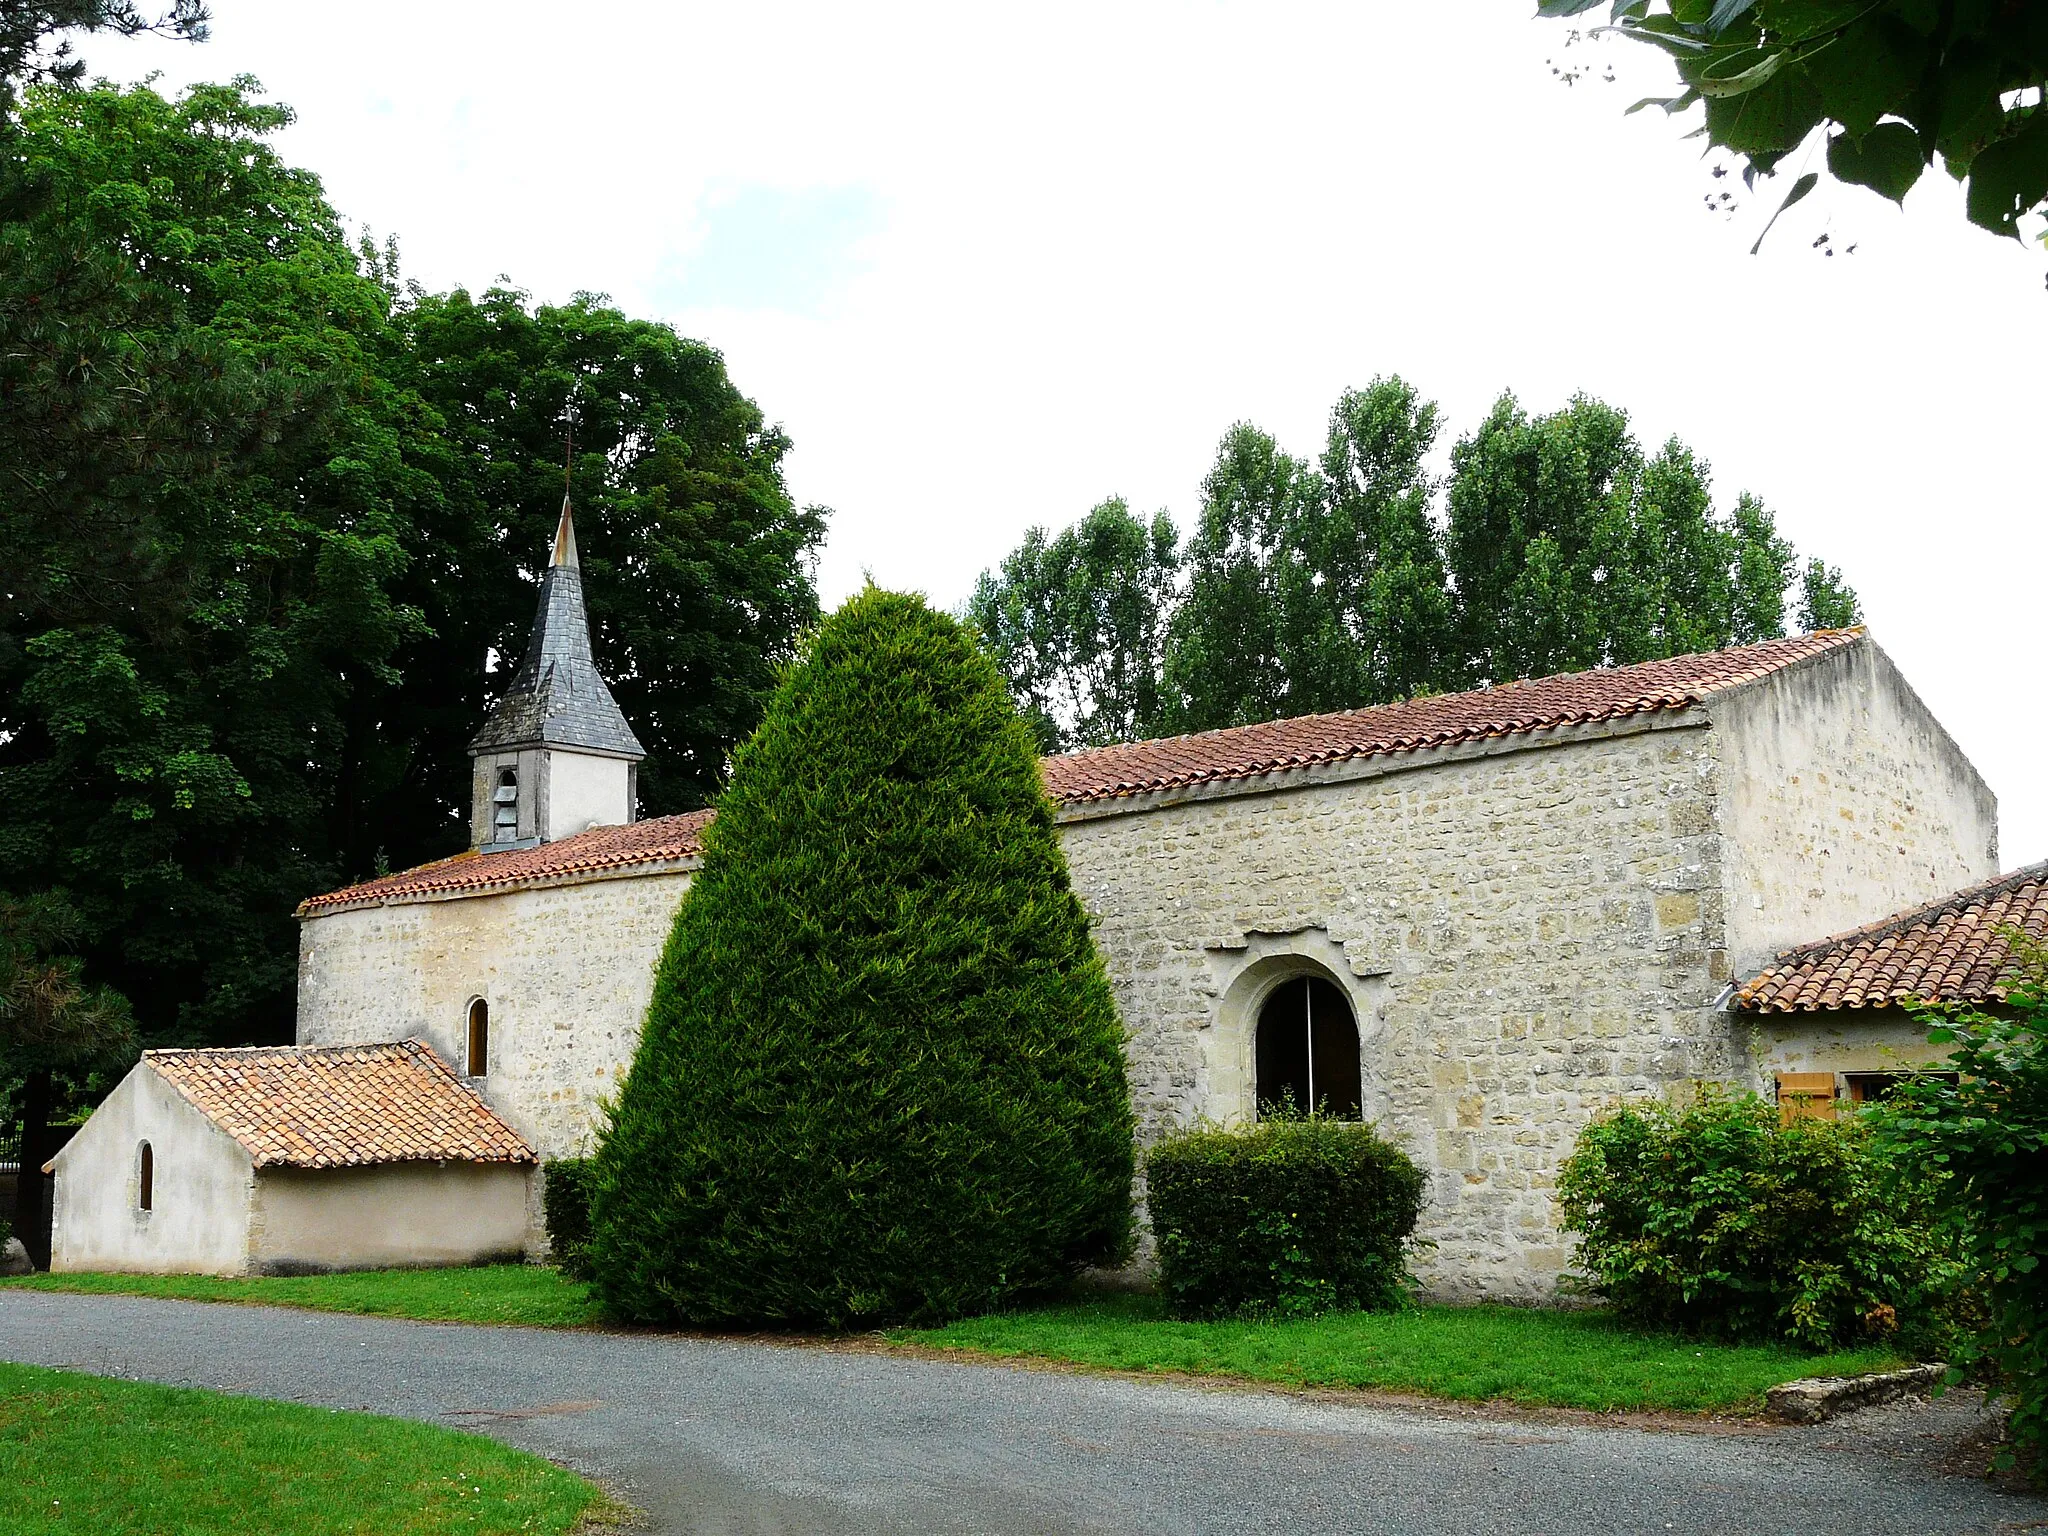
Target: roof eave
<point>643,869</point>
<point>1377,764</point>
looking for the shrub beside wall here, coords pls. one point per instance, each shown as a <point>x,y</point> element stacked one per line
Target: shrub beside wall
<point>1288,1217</point>
<point>565,1203</point>
<point>1719,1219</point>
<point>1985,1136</point>
<point>882,1075</point>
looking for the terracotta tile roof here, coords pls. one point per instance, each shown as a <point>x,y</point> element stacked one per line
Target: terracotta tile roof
<point>340,1106</point>
<point>661,839</point>
<point>1950,951</point>
<point>1571,698</point>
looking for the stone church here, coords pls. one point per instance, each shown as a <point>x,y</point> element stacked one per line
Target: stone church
<point>1475,919</point>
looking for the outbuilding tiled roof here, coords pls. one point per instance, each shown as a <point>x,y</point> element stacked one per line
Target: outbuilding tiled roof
<point>341,1106</point>
<point>658,840</point>
<point>1955,950</point>
<point>1570,698</point>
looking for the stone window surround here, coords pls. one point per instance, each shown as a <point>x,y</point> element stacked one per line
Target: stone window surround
<point>1245,973</point>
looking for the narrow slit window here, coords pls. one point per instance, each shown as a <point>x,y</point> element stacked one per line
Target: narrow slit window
<point>145,1179</point>
<point>479,1038</point>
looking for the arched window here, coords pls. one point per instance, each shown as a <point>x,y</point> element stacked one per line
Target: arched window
<point>145,1179</point>
<point>479,1037</point>
<point>505,807</point>
<point>1308,1051</point>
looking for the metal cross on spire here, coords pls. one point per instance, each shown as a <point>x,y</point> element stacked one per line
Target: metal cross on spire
<point>565,531</point>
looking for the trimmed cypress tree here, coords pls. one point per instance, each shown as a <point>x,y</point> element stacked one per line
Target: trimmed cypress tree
<point>882,1075</point>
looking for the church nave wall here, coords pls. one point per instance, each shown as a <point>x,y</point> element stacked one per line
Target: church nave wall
<point>1524,936</point>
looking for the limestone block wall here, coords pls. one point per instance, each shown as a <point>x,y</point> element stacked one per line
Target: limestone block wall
<point>566,969</point>
<point>1526,931</point>
<point>1846,802</point>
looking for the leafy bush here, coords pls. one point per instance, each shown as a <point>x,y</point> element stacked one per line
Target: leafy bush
<point>882,1075</point>
<point>1986,1136</point>
<point>1717,1218</point>
<point>565,1202</point>
<point>1289,1216</point>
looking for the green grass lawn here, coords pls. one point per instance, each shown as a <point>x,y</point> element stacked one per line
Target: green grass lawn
<point>497,1293</point>
<point>1524,1355</point>
<point>121,1458</point>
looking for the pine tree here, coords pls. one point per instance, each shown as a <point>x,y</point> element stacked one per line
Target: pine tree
<point>881,1075</point>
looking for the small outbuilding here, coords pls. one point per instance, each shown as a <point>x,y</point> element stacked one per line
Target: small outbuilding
<point>290,1160</point>
<point>1832,1022</point>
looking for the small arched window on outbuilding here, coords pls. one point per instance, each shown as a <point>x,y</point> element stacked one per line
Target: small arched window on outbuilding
<point>479,1058</point>
<point>145,1178</point>
<point>505,807</point>
<point>1308,1052</point>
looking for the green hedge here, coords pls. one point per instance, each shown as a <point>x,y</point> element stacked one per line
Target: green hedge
<point>1288,1217</point>
<point>1717,1218</point>
<point>882,1076</point>
<point>565,1202</point>
<point>1984,1138</point>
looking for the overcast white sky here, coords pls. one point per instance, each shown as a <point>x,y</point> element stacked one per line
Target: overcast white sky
<point>988,267</point>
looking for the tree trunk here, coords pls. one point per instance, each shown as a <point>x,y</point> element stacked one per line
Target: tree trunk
<point>31,1198</point>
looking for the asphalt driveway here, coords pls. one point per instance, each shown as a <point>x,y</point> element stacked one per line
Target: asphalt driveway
<point>711,1436</point>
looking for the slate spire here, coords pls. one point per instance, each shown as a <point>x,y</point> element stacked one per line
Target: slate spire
<point>557,698</point>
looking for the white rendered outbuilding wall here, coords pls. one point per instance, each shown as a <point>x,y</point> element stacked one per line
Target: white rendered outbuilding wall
<point>201,1183</point>
<point>306,1220</point>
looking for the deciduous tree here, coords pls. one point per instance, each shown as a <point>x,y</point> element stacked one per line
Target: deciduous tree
<point>1309,587</point>
<point>263,516</point>
<point>1890,85</point>
<point>1081,622</point>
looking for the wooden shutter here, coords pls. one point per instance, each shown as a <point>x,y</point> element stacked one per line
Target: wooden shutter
<point>1806,1096</point>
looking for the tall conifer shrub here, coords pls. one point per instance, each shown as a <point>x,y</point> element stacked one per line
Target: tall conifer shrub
<point>882,1075</point>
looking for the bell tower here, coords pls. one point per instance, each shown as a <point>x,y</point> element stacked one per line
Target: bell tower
<point>555,756</point>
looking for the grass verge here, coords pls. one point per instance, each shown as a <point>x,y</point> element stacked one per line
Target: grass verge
<point>524,1294</point>
<point>1520,1354</point>
<point>123,1458</point>
<point>1524,1355</point>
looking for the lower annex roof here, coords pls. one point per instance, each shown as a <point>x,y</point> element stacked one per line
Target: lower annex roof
<point>340,1106</point>
<point>1955,950</point>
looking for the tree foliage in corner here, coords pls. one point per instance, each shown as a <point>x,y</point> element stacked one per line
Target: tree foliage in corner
<point>1893,84</point>
<point>264,515</point>
<point>1555,543</point>
<point>1984,1137</point>
<point>36,44</point>
<point>881,1075</point>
